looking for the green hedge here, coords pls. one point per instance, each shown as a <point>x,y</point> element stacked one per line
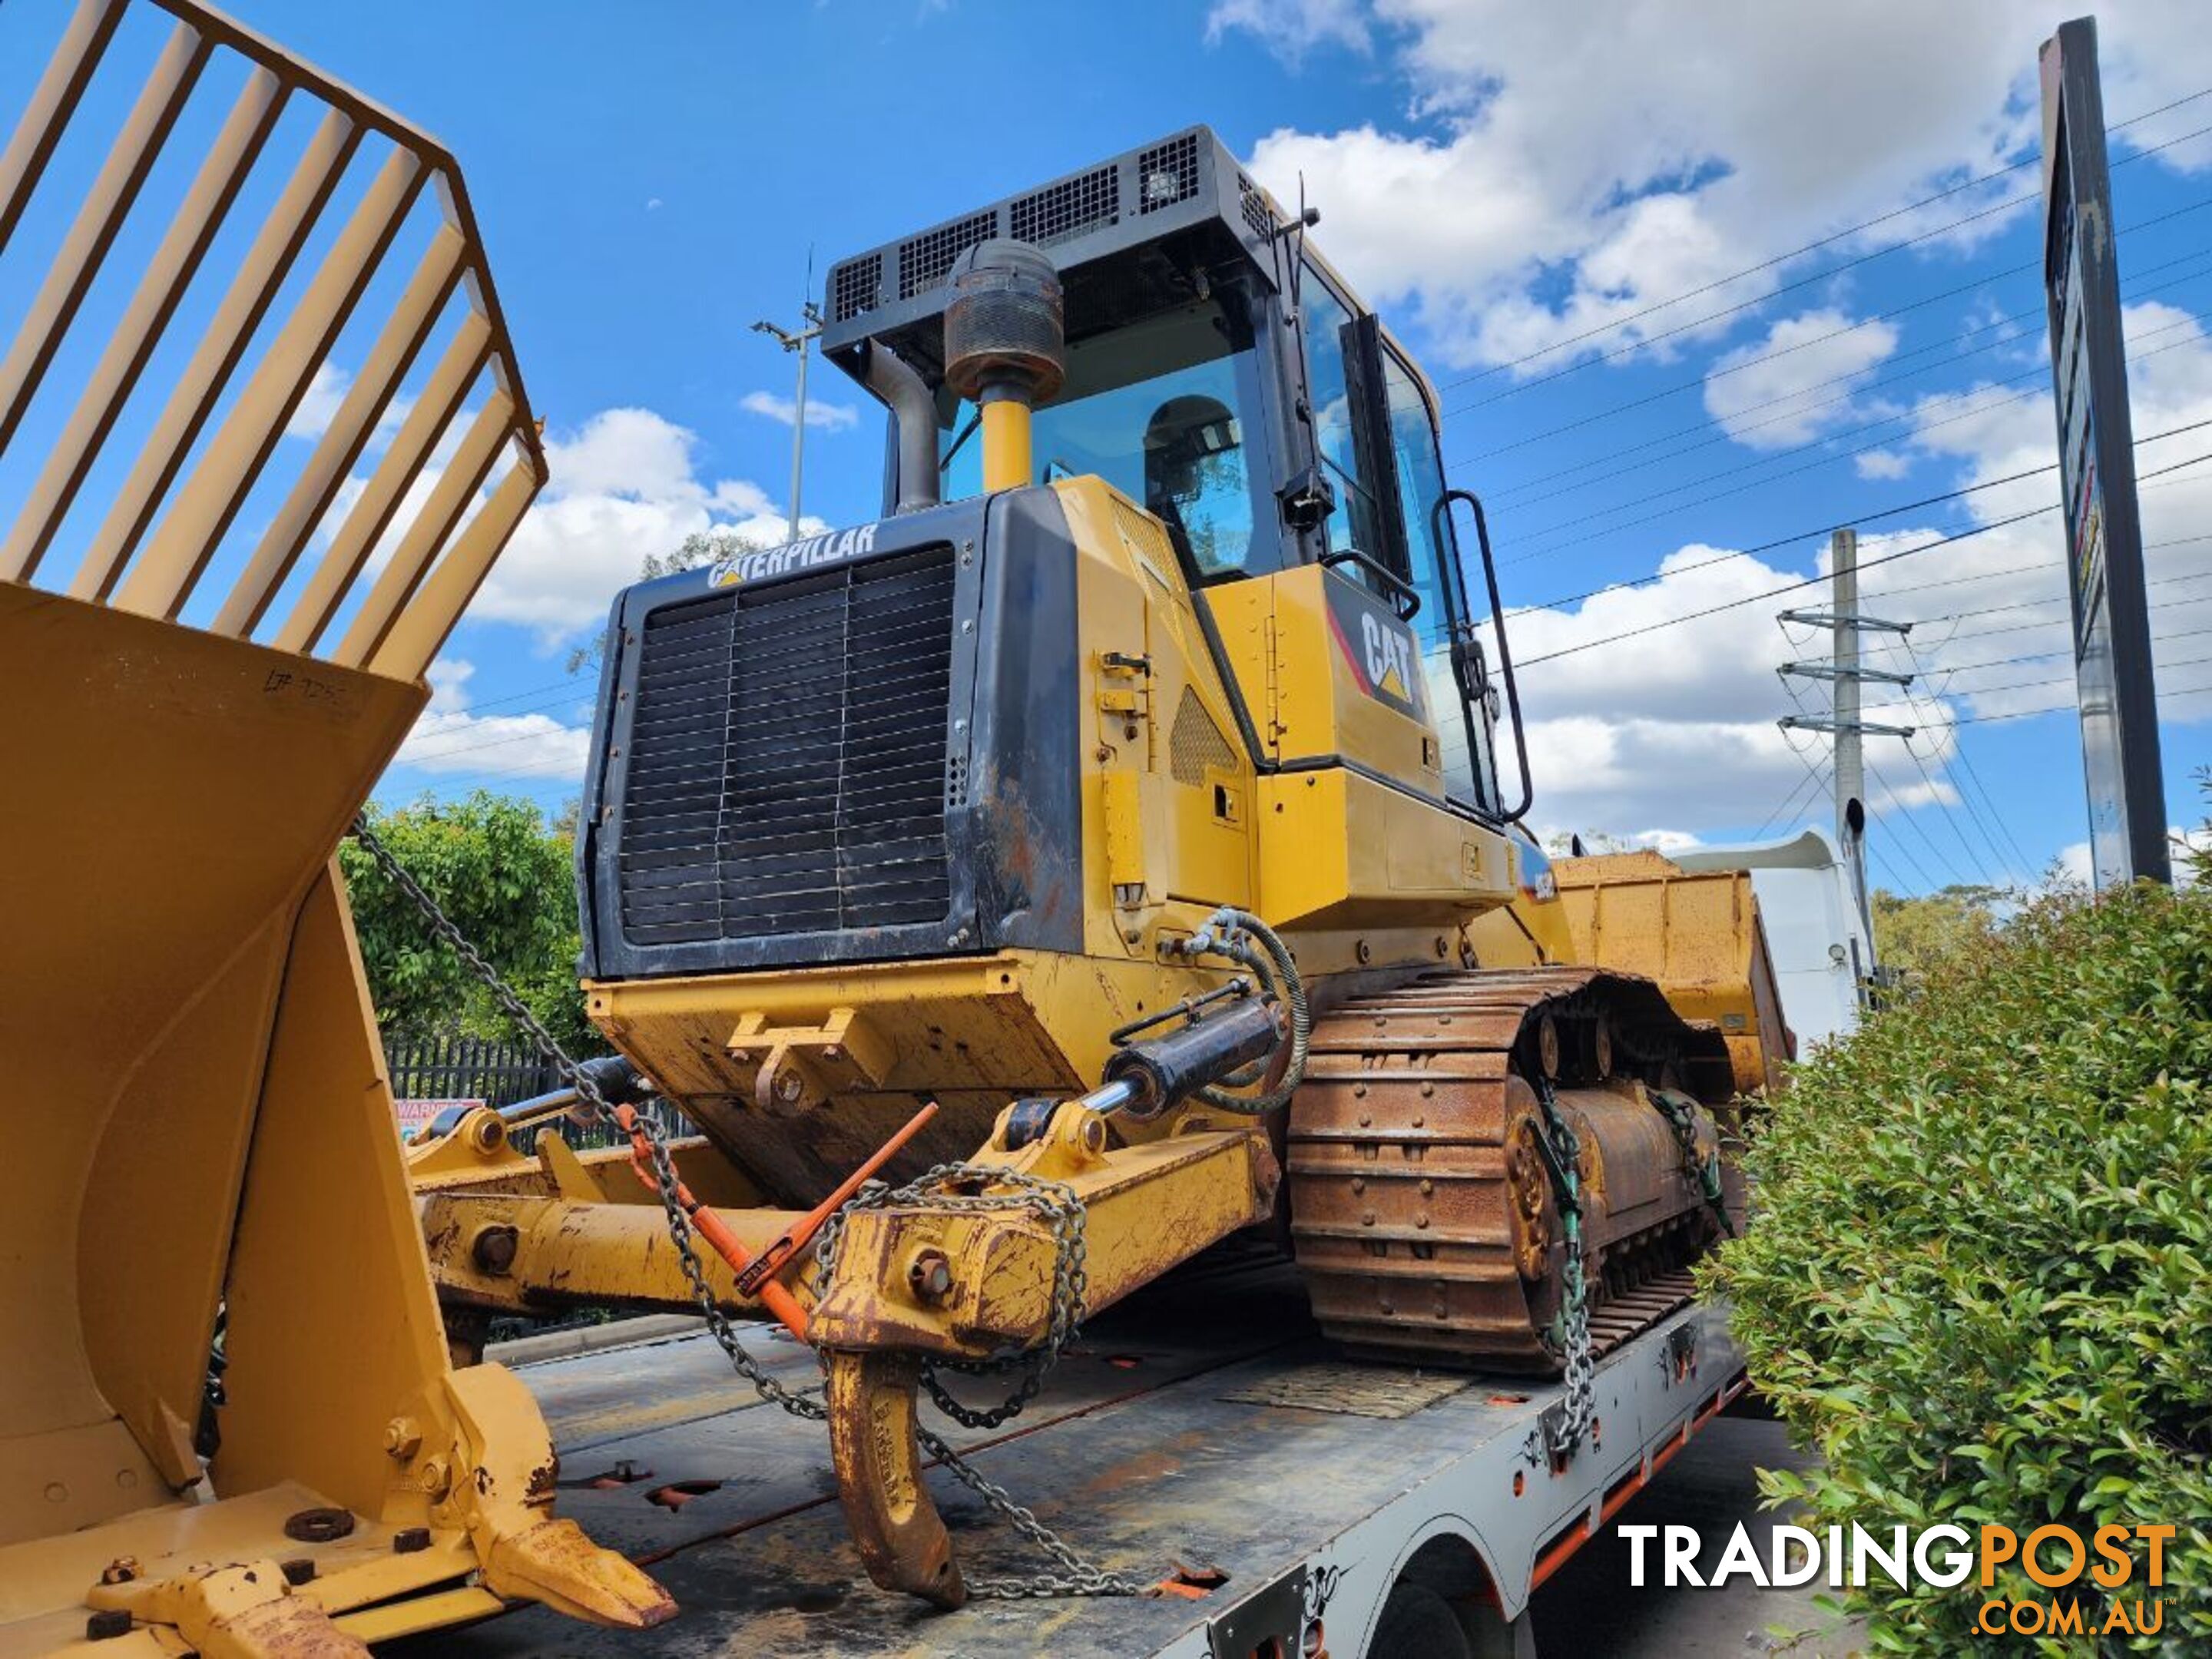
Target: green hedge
<point>1980,1278</point>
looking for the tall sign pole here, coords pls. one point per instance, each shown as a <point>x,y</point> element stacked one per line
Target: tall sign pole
<point>2096,470</point>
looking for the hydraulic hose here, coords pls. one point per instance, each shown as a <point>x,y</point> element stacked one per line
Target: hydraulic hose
<point>1228,932</point>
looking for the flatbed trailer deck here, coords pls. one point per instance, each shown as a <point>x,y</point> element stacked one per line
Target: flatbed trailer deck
<point>1202,1430</point>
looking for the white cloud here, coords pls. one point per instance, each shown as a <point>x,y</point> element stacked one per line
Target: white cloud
<point>2074,864</point>
<point>1291,28</point>
<point>831,417</point>
<point>1616,728</point>
<point>1797,379</point>
<point>1997,635</point>
<point>625,485</point>
<point>1556,175</point>
<point>448,738</point>
<point>319,406</point>
<point>2073,861</point>
<point>1550,178</point>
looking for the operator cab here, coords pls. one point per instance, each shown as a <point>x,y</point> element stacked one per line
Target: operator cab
<point>1219,374</point>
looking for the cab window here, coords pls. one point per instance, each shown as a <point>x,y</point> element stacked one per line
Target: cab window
<point>1167,411</point>
<point>1469,767</point>
<point>1357,526</point>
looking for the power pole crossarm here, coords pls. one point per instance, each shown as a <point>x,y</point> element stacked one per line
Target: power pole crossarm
<point>1830,619</point>
<point>1864,728</point>
<point>1821,671</point>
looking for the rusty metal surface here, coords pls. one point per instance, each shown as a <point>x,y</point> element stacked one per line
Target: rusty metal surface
<point>1169,1471</point>
<point>1699,933</point>
<point>895,1525</point>
<point>669,1412</point>
<point>1422,1213</point>
<point>1356,1390</point>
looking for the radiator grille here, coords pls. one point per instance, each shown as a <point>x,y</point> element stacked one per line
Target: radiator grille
<point>788,762</point>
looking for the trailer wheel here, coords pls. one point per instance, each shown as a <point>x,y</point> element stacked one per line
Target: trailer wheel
<point>1417,1623</point>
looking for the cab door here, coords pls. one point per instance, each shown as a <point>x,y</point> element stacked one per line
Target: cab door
<point>1396,427</point>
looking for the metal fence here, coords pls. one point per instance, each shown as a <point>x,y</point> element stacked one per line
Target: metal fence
<point>467,1068</point>
<point>453,1067</point>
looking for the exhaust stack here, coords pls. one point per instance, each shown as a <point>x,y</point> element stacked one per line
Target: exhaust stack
<point>891,378</point>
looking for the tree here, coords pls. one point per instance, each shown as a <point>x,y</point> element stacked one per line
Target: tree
<point>1911,932</point>
<point>506,879</point>
<point>700,547</point>
<point>1560,843</point>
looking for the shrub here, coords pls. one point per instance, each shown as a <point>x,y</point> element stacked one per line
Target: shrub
<point>1978,1282</point>
<point>508,879</point>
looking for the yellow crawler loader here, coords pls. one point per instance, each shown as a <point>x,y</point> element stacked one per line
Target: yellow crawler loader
<point>1108,842</point>
<point>209,651</point>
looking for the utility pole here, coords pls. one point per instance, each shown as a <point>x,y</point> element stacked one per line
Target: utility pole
<point>799,340</point>
<point>1845,675</point>
<point>1851,751</point>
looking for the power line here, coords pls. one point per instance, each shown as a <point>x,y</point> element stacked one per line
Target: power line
<point>1742,306</point>
<point>2167,695</point>
<point>1955,638</point>
<point>1790,799</point>
<point>1837,236</point>
<point>1790,540</point>
<point>1898,806</point>
<point>1878,851</point>
<point>1896,844</point>
<point>2022,569</point>
<point>1974,777</point>
<point>1887,558</point>
<point>1974,399</point>
<point>1893,706</point>
<point>1737,368</point>
<point>1951,810</point>
<point>1857,387</point>
<point>1787,587</point>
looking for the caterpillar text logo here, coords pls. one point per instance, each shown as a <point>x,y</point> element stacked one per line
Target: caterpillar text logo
<point>1377,648</point>
<point>827,549</point>
<point>1389,658</point>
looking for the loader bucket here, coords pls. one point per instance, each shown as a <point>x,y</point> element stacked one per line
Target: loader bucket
<point>212,640</point>
<point>1699,933</point>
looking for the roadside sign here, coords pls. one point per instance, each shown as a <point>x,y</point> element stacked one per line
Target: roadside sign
<point>416,1115</point>
<point>2096,472</point>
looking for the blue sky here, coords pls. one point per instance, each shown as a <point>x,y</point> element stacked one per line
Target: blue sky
<point>1500,180</point>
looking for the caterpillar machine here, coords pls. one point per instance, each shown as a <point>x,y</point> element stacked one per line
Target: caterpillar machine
<point>1114,827</point>
<point>203,675</point>
<point>1105,844</point>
